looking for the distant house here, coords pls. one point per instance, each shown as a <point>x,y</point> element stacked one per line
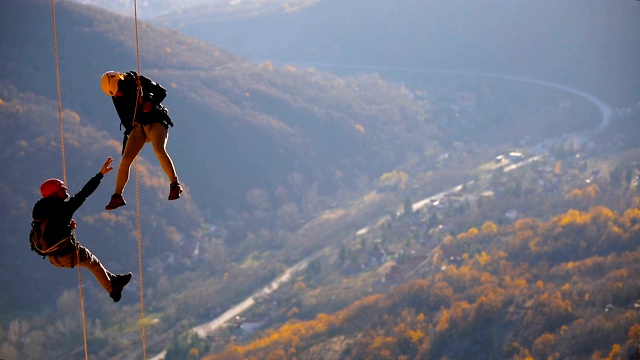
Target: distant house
<point>487,194</point>
<point>516,156</point>
<point>443,157</point>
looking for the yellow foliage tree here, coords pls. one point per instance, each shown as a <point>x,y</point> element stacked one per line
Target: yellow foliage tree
<point>293,312</point>
<point>489,228</point>
<point>592,190</point>
<point>615,350</point>
<point>443,321</point>
<point>483,258</point>
<point>634,335</point>
<point>470,234</point>
<point>575,194</point>
<point>394,179</point>
<point>542,345</point>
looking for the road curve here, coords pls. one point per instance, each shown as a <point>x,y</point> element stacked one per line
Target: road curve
<point>209,327</point>
<point>604,108</point>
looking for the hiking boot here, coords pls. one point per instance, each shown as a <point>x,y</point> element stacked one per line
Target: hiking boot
<point>174,191</point>
<point>118,282</point>
<point>116,201</point>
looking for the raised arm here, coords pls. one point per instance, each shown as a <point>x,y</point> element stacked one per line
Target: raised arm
<point>78,199</point>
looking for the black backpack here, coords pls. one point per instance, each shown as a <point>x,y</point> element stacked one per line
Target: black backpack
<point>159,113</point>
<point>37,241</point>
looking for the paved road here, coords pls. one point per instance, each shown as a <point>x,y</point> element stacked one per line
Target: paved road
<point>210,327</point>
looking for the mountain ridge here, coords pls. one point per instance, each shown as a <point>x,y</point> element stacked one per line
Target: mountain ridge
<point>232,112</point>
<point>578,43</point>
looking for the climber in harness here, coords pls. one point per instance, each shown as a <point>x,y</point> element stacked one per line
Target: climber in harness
<point>138,102</point>
<point>53,231</point>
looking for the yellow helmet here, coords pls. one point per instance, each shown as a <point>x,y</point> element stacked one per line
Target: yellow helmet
<point>109,82</point>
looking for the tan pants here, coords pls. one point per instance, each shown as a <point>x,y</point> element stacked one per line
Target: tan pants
<point>157,134</point>
<point>83,257</point>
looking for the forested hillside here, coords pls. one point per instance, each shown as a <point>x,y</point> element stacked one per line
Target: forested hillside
<point>32,153</point>
<point>259,149</point>
<point>278,163</point>
<point>257,124</point>
<point>562,285</point>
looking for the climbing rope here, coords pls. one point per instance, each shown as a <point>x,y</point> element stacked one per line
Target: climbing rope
<point>138,221</point>
<point>64,167</point>
<point>64,173</point>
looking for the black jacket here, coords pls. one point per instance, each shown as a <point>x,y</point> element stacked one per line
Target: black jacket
<point>126,104</point>
<point>59,212</point>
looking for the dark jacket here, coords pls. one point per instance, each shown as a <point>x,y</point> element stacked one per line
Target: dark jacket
<point>59,212</point>
<point>126,104</point>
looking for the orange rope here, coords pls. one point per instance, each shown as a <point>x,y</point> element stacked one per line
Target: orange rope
<point>55,52</point>
<point>138,221</point>
<point>84,318</point>
<point>135,16</point>
<point>144,339</point>
<point>64,167</point>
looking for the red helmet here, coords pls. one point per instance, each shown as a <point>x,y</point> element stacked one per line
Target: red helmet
<point>50,186</point>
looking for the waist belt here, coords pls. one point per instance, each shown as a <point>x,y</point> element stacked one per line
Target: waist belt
<point>62,247</point>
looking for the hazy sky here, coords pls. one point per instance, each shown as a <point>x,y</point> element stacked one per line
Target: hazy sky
<point>149,8</point>
<point>589,44</point>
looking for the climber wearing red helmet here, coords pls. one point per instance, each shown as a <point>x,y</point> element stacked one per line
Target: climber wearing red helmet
<point>53,222</point>
<point>54,188</point>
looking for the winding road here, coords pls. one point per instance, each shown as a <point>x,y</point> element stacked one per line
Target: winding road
<point>213,325</point>
<point>605,109</point>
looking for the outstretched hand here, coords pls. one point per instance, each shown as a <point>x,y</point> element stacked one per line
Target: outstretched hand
<point>106,166</point>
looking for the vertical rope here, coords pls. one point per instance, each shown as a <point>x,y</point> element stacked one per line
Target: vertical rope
<point>135,16</point>
<point>64,166</point>
<point>84,318</point>
<point>57,64</point>
<point>138,221</point>
<point>144,338</point>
